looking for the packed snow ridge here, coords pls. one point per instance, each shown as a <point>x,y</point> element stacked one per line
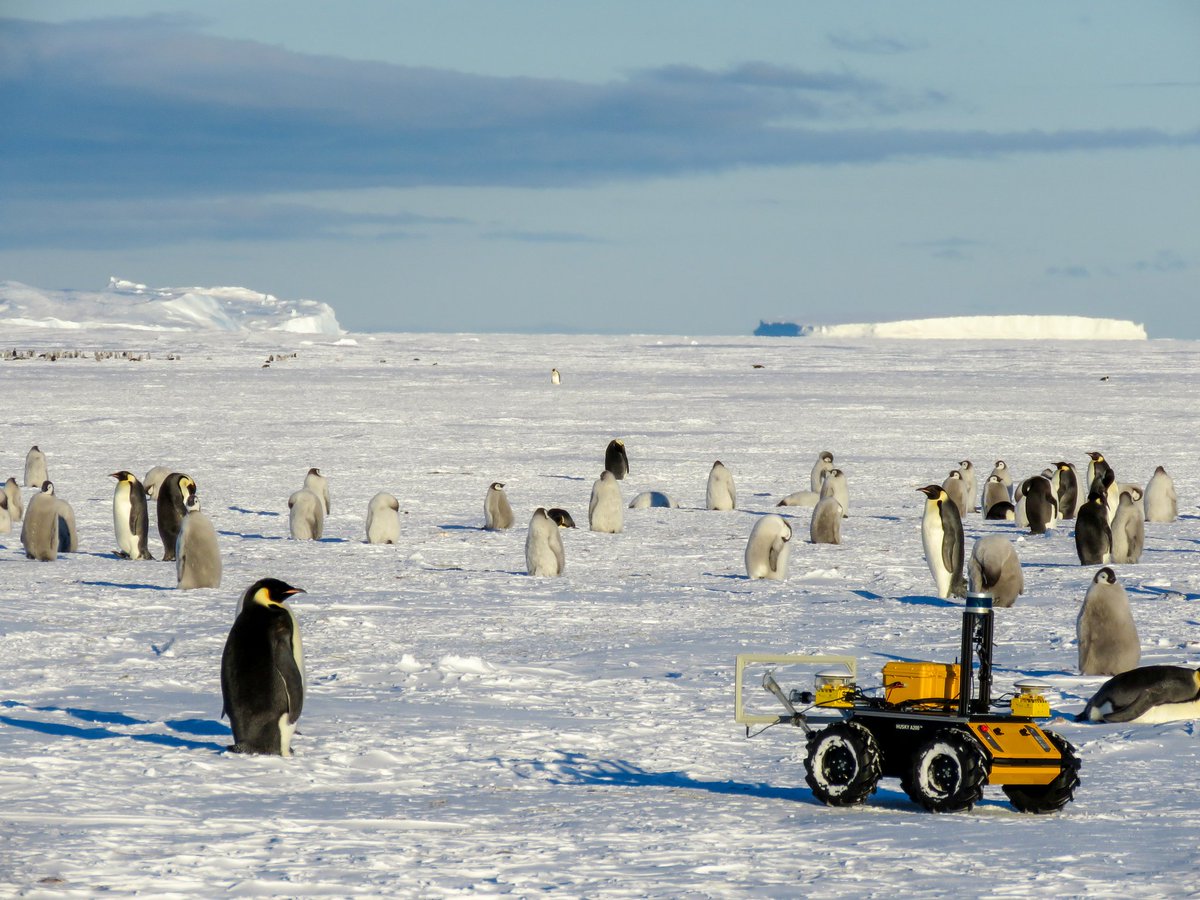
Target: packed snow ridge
<point>1009,328</point>
<point>124,304</point>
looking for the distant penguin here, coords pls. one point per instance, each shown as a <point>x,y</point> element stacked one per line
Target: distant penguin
<point>1160,501</point>
<point>1128,531</point>
<point>383,519</point>
<point>1001,471</point>
<point>1097,466</point>
<point>68,537</point>
<point>768,548</point>
<point>319,485</point>
<point>1108,639</point>
<point>1068,490</point>
<point>197,556</point>
<point>262,671</point>
<point>154,479</point>
<point>955,487</point>
<point>817,476</point>
<point>555,378</point>
<point>942,538</point>
<point>615,460</point>
<point>995,568</point>
<point>1093,536</point>
<point>544,546</point>
<point>835,486</point>
<point>994,494</point>
<point>171,507</point>
<point>35,468</point>
<point>605,510</point>
<point>651,500</point>
<point>825,526</point>
<point>5,516</point>
<point>39,530</point>
<point>306,516</point>
<point>560,517</point>
<point>972,483</point>
<point>130,520</point>
<point>1041,504</point>
<point>721,493</point>
<point>15,507</point>
<point>497,514</point>
<point>801,498</point>
<point>1147,695</point>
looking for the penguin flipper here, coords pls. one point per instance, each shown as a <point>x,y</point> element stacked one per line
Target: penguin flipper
<point>284,660</point>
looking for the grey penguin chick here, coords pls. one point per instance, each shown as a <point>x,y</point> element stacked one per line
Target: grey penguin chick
<point>12,492</point>
<point>956,488</point>
<point>817,476</point>
<point>995,568</point>
<point>383,519</point>
<point>971,479</point>
<point>319,485</point>
<point>306,516</point>
<point>605,507</point>
<point>768,548</point>
<point>543,546</point>
<point>825,526</point>
<point>721,493</point>
<point>154,479</point>
<point>801,498</point>
<point>35,468</point>
<point>497,514</point>
<point>5,516</point>
<point>1160,500</point>
<point>39,530</point>
<point>835,486</point>
<point>1108,639</point>
<point>1128,530</point>
<point>1146,695</point>
<point>197,556</point>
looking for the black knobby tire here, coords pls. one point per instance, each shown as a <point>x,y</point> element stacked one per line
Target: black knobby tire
<point>1048,798</point>
<point>947,772</point>
<point>843,765</point>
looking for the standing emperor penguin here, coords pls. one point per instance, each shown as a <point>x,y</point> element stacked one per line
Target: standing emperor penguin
<point>822,466</point>
<point>721,493</point>
<point>154,479</point>
<point>555,377</point>
<point>955,487</point>
<point>5,516</point>
<point>835,486</point>
<point>1097,466</point>
<point>606,508</point>
<point>1107,484</point>
<point>995,568</point>
<point>615,459</point>
<point>39,531</point>
<point>130,521</point>
<point>1041,503</point>
<point>996,502</point>
<point>1068,490</point>
<point>497,514</point>
<point>825,526</point>
<point>171,507</point>
<point>383,519</point>
<point>1128,531</point>
<point>306,516</point>
<point>1147,695</point>
<point>1108,639</point>
<point>942,538</point>
<point>35,468</point>
<point>15,508</point>
<point>768,548</point>
<point>319,485</point>
<point>544,546</point>
<point>197,557</point>
<point>68,538</point>
<point>262,671</point>
<point>972,482</point>
<point>1159,500</point>
<point>1093,536</point>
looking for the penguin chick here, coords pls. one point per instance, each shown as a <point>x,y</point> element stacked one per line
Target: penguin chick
<point>820,468</point>
<point>605,507</point>
<point>383,519</point>
<point>996,502</point>
<point>1160,500</point>
<point>801,498</point>
<point>197,556</point>
<point>497,514</point>
<point>956,489</point>
<point>1108,639</point>
<point>306,519</point>
<point>835,486</point>
<point>543,546</point>
<point>319,485</point>
<point>972,483</point>
<point>12,491</point>
<point>35,468</point>
<point>825,526</point>
<point>995,568</point>
<point>154,479</point>
<point>942,538</point>
<point>768,548</point>
<point>720,493</point>
<point>1128,530</point>
<point>39,530</point>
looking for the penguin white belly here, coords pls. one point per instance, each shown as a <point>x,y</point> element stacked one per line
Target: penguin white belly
<point>297,646</point>
<point>932,536</point>
<point>122,510</point>
<point>1168,712</point>
<point>286,730</point>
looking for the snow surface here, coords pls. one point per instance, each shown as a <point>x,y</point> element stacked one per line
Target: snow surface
<point>469,729</point>
<point>1039,328</point>
<point>125,304</point>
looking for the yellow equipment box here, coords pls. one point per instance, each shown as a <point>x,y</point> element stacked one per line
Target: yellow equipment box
<point>912,682</point>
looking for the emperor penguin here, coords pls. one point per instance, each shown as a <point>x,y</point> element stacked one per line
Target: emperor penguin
<point>996,501</point>
<point>721,493</point>
<point>1093,536</point>
<point>835,486</point>
<point>544,546</point>
<point>956,489</point>
<point>197,557</point>
<point>35,468</point>
<point>817,476</point>
<point>39,530</point>
<point>1000,469</point>
<point>1068,490</point>
<point>262,671</point>
<point>652,500</point>
<point>1159,500</point>
<point>5,517</point>
<point>768,548</point>
<point>1041,504</point>
<point>825,526</point>
<point>995,568</point>
<point>171,507</point>
<point>1097,466</point>
<point>497,514</point>
<point>1108,639</point>
<point>615,459</point>
<point>555,377</point>
<point>605,508</point>
<point>1128,531</point>
<point>68,537</point>
<point>306,516</point>
<point>942,538</point>
<point>130,521</point>
<point>972,483</point>
<point>319,485</point>
<point>1146,695</point>
<point>801,498</point>
<point>12,491</point>
<point>154,479</point>
<point>560,517</point>
<point>383,519</point>
<point>1107,483</point>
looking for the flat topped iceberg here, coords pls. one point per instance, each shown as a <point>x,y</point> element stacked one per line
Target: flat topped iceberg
<point>1009,328</point>
<point>125,304</point>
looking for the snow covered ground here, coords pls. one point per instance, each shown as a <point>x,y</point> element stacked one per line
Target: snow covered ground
<point>471,730</point>
<point>979,328</point>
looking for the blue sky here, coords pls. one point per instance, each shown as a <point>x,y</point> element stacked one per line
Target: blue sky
<point>665,167</point>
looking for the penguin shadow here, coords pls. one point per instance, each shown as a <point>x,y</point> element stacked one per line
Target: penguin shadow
<point>248,536</point>
<point>254,512</point>
<point>730,576</point>
<point>128,586</point>
<point>1165,593</point>
<point>331,540</point>
<point>99,719</point>
<point>566,477</point>
<point>925,600</point>
<point>462,528</point>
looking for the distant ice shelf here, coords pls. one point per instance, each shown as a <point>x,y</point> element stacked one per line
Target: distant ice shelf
<point>1009,328</point>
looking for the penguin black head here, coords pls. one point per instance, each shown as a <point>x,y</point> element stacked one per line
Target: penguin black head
<point>932,491</point>
<point>1159,470</point>
<point>497,485</point>
<point>269,592</point>
<point>1063,466</point>
<point>35,447</point>
<point>1096,497</point>
<point>561,517</point>
<point>835,473</point>
<point>965,463</point>
<point>956,473</point>
<point>123,476</point>
<point>47,487</point>
<point>314,471</point>
<point>826,456</point>
<point>1105,575</point>
<point>1096,455</point>
<point>1001,464</point>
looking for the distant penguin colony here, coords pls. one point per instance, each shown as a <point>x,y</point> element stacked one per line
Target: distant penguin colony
<point>543,546</point>
<point>171,507</point>
<point>497,513</point>
<point>616,460</point>
<point>605,507</point>
<point>1108,639</point>
<point>383,519</point>
<point>768,548</point>
<point>197,556</point>
<point>720,493</point>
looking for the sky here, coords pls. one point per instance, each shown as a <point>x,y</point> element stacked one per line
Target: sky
<point>677,167</point>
